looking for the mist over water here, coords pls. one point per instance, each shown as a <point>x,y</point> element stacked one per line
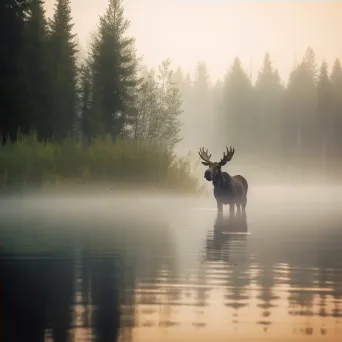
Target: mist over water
<point>129,108</point>
<point>133,267</point>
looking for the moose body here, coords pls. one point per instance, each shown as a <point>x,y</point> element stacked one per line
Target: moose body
<point>232,191</point>
<point>228,190</point>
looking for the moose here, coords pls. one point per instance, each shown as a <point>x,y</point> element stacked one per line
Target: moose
<point>228,189</point>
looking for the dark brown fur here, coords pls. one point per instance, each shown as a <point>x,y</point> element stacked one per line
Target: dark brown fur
<point>228,189</point>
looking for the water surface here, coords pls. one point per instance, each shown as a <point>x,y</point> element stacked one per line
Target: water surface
<point>147,268</point>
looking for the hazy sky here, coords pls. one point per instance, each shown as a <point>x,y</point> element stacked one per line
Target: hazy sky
<point>218,30</point>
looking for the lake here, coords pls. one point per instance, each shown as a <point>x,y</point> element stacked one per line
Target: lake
<point>111,267</point>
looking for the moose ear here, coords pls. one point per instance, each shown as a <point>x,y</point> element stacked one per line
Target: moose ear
<point>205,163</point>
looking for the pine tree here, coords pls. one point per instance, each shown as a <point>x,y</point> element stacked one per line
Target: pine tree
<point>237,94</point>
<point>188,118</point>
<point>336,76</point>
<point>171,109</point>
<point>268,77</point>
<point>268,93</point>
<point>217,95</point>
<point>62,47</point>
<point>201,83</point>
<point>309,61</point>
<point>88,127</point>
<point>114,72</point>
<point>203,109</point>
<point>336,88</point>
<point>12,85</point>
<point>184,87</point>
<point>38,84</point>
<point>300,111</point>
<point>324,98</point>
<point>219,122</point>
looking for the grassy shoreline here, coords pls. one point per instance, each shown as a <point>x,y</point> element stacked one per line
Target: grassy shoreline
<point>101,163</point>
<point>96,187</point>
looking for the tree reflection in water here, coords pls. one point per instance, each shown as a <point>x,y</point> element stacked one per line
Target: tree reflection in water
<point>97,278</point>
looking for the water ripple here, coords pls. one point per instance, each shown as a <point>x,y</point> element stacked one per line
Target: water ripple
<point>188,276</point>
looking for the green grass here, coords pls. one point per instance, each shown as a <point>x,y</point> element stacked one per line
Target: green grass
<point>31,162</point>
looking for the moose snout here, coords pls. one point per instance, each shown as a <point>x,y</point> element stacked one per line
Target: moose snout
<point>207,175</point>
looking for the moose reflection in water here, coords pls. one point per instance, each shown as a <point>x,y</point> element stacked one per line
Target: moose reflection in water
<point>228,189</point>
<point>227,229</point>
<point>232,223</point>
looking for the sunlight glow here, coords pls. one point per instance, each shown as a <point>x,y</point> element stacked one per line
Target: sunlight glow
<point>217,31</point>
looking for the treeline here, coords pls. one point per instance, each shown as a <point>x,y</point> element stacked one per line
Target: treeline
<point>296,126</point>
<point>44,88</point>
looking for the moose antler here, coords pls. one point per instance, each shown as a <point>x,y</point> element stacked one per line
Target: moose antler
<point>204,155</point>
<point>227,156</point>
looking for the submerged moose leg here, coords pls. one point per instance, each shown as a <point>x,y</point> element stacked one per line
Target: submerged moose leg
<point>231,208</point>
<point>238,207</point>
<point>219,207</point>
<point>244,203</point>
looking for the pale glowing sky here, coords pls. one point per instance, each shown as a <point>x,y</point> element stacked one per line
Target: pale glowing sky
<point>218,30</point>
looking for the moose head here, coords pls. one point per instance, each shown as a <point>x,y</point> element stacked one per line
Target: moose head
<point>214,168</point>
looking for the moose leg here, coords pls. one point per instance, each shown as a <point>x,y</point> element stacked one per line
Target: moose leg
<point>231,208</point>
<point>244,203</point>
<point>238,207</point>
<point>219,207</point>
